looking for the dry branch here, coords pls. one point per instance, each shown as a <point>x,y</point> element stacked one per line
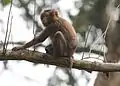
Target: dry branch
<point>42,58</point>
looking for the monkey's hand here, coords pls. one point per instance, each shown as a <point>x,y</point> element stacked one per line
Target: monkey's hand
<point>17,48</point>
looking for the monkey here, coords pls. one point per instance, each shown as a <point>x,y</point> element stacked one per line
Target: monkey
<point>61,32</point>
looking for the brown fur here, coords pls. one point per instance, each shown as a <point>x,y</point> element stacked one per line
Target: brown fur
<point>62,34</point>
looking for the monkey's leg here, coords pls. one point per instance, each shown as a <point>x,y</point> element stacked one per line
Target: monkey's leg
<point>59,44</point>
<point>60,47</point>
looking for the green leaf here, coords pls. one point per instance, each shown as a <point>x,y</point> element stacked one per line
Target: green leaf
<point>6,2</point>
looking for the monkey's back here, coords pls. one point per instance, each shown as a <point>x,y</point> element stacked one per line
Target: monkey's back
<point>67,29</point>
<point>69,33</point>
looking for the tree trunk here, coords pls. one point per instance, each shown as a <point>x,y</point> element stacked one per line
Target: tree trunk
<point>110,23</point>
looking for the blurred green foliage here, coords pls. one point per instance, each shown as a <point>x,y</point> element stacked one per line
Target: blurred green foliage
<point>5,2</point>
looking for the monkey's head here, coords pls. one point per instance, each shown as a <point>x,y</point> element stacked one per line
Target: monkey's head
<point>49,16</point>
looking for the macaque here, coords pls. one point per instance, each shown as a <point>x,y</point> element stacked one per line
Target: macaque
<point>62,34</point>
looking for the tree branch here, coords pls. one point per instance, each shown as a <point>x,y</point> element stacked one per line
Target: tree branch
<point>87,49</point>
<point>38,57</point>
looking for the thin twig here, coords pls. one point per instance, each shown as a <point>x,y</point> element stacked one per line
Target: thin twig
<point>34,23</point>
<point>93,58</point>
<point>104,34</point>
<point>9,33</point>
<point>4,48</point>
<point>86,40</point>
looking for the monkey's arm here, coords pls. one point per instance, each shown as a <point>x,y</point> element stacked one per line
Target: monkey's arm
<point>43,35</point>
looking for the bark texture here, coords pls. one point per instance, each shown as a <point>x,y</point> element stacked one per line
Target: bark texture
<point>43,58</point>
<point>110,24</point>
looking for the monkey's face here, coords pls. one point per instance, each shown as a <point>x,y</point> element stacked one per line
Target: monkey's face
<point>47,17</point>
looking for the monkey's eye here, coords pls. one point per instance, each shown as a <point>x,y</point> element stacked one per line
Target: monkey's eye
<point>43,17</point>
